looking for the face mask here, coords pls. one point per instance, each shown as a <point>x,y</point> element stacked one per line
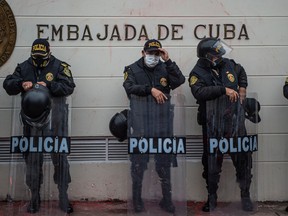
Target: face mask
<point>40,62</point>
<point>151,60</point>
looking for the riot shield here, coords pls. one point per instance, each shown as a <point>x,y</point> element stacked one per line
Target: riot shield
<point>229,151</point>
<point>39,146</point>
<point>157,147</point>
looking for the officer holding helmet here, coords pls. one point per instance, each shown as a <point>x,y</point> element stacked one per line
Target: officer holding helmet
<point>44,83</point>
<point>148,83</point>
<point>214,76</point>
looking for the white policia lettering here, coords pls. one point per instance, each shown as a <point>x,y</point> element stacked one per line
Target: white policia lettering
<point>233,145</point>
<point>157,145</point>
<point>21,144</point>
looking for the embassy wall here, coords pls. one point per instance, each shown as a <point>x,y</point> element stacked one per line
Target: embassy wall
<point>98,38</point>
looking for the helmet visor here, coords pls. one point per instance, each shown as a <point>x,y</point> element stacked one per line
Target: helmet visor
<point>220,48</point>
<point>217,51</point>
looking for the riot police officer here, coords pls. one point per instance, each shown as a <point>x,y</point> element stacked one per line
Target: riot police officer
<point>214,76</point>
<point>43,69</point>
<point>152,80</point>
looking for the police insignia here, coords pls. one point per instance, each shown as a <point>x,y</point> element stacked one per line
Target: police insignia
<point>67,71</point>
<point>193,80</point>
<point>49,76</point>
<point>125,75</point>
<point>163,82</point>
<point>230,77</point>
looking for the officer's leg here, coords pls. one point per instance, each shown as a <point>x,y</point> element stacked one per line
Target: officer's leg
<point>62,178</point>
<point>163,166</point>
<point>34,179</point>
<point>243,165</point>
<point>212,164</point>
<point>138,166</point>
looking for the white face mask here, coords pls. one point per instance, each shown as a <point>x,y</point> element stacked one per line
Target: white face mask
<point>151,60</point>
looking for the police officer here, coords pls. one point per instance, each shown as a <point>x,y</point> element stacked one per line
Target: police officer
<point>214,76</point>
<point>44,69</point>
<point>152,80</point>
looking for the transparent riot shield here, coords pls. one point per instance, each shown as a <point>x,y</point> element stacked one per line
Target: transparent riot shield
<point>229,152</point>
<point>157,147</point>
<point>39,146</point>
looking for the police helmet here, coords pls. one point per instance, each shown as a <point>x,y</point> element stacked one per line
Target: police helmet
<point>118,125</point>
<point>212,49</point>
<point>36,106</point>
<point>252,108</point>
<point>211,46</point>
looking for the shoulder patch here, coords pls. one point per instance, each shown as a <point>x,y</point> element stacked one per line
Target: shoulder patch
<point>66,69</point>
<point>193,80</point>
<point>125,75</point>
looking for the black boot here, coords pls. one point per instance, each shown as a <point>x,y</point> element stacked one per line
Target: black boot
<point>211,203</point>
<point>166,203</point>
<point>34,204</point>
<point>246,202</point>
<point>137,173</point>
<point>64,203</point>
<point>137,200</point>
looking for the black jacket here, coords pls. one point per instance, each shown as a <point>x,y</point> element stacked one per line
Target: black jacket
<point>56,75</point>
<point>139,79</point>
<point>206,85</point>
<point>59,81</point>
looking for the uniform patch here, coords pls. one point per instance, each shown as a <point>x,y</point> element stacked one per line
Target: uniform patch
<point>49,77</point>
<point>125,75</point>
<point>163,82</point>
<point>66,69</point>
<point>193,80</point>
<point>230,77</point>
<point>286,81</point>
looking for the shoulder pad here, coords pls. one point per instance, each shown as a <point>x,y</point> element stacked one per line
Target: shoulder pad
<point>64,64</point>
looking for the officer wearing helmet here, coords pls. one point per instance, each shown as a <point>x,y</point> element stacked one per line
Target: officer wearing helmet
<point>44,83</point>
<point>214,76</point>
<point>148,83</point>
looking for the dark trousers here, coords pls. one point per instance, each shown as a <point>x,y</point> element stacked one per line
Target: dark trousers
<point>212,164</point>
<point>138,167</point>
<point>34,172</point>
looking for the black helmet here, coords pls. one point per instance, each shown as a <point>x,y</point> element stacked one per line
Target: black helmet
<point>36,106</point>
<point>212,49</point>
<point>252,107</point>
<point>211,46</point>
<point>118,125</point>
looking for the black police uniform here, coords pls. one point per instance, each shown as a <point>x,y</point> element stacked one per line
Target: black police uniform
<point>151,120</point>
<point>59,81</point>
<point>208,83</point>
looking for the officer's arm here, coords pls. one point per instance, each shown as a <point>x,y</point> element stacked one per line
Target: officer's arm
<point>242,76</point>
<point>285,88</point>
<point>202,92</point>
<point>176,78</point>
<point>132,87</point>
<point>64,84</point>
<point>13,82</point>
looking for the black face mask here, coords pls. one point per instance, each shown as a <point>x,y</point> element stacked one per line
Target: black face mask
<point>40,61</point>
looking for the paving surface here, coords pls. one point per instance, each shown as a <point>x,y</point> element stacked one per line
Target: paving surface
<point>118,208</point>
